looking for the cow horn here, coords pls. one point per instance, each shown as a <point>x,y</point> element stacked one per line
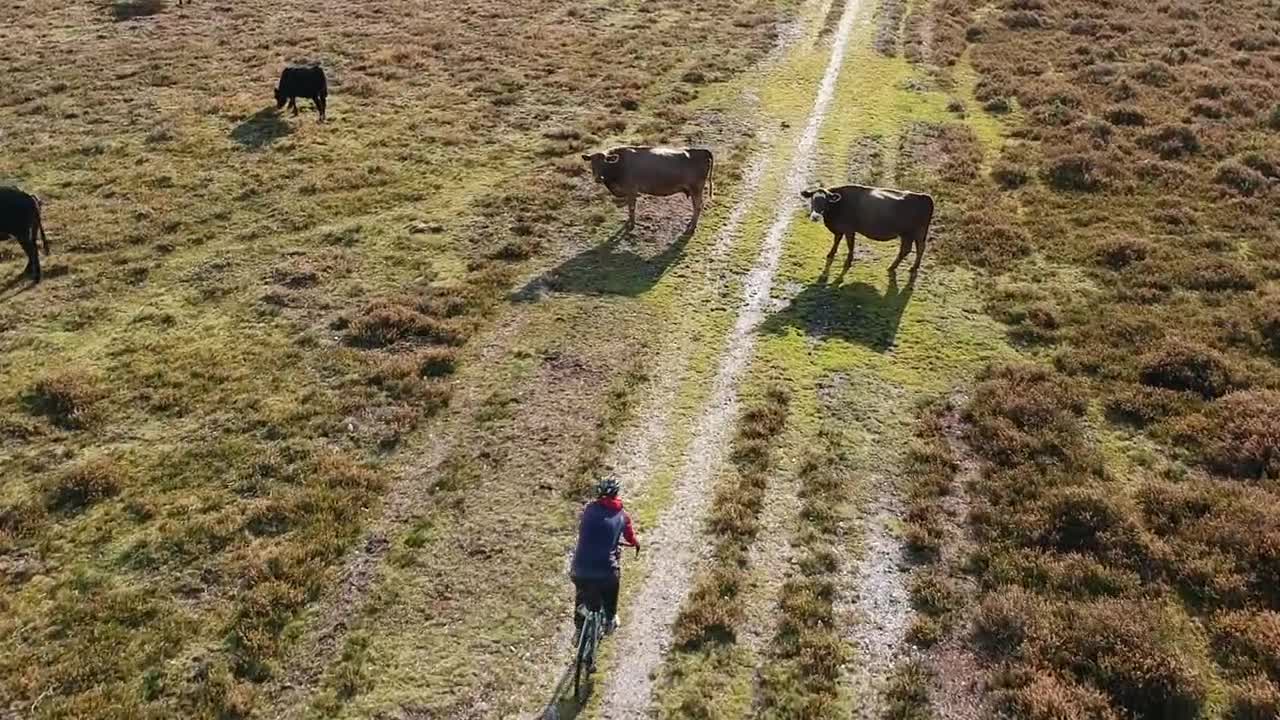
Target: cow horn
<point>612,157</point>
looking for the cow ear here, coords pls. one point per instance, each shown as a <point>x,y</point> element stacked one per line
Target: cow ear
<point>586,157</point>
<point>806,194</point>
<point>833,197</point>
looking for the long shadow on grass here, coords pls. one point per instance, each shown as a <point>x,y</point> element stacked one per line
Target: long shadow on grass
<point>122,10</point>
<point>262,129</point>
<point>15,286</point>
<point>563,705</point>
<point>610,268</point>
<point>856,312</point>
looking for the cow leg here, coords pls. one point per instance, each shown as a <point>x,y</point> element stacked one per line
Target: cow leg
<point>696,198</point>
<point>849,240</point>
<point>293,105</point>
<point>631,212</point>
<point>319,101</point>
<point>33,256</point>
<point>920,243</point>
<point>835,245</point>
<point>902,253</point>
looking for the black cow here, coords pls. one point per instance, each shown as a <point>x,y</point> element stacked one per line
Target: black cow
<point>20,218</point>
<point>628,172</point>
<point>302,81</point>
<point>878,213</point>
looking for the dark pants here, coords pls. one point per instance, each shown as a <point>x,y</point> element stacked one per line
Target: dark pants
<point>595,592</point>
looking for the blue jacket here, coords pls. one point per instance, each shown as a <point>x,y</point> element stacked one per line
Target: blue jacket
<point>604,523</point>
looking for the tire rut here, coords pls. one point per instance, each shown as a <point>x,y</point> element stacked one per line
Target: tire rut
<point>643,640</point>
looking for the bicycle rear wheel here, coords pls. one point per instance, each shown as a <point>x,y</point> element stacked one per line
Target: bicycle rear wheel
<point>586,653</point>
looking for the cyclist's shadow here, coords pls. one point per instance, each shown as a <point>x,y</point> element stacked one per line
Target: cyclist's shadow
<point>563,705</point>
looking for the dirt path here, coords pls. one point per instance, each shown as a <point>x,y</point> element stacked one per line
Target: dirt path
<point>673,550</point>
<point>881,599</point>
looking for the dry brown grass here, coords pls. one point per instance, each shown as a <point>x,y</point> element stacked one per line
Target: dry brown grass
<point>713,611</point>
<point>806,656</point>
<point>1147,128</point>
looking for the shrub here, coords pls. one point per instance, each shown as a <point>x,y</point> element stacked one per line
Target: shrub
<point>997,105</point>
<point>1269,167</point>
<point>1143,405</point>
<point>985,242</point>
<point>1135,651</point>
<point>1268,324</point>
<point>83,485</point>
<point>1249,642</point>
<point>1256,699</point>
<point>1155,74</point>
<point>1273,120</point>
<point>1044,695</point>
<point>1239,177</point>
<point>1171,141</point>
<point>1009,175</point>
<point>1006,619</point>
<point>1187,367</point>
<point>1075,172</point>
<point>1026,413</point>
<point>1239,435</point>
<point>1024,20</point>
<point>1085,520</point>
<point>1125,116</point>
<point>907,694</point>
<point>69,399</point>
<point>389,321</point>
<point>1118,253</point>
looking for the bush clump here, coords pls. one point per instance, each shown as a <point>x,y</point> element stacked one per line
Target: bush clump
<point>1171,141</point>
<point>1187,367</point>
<point>83,485</point>
<point>1125,116</point>
<point>1239,177</point>
<point>1078,172</point>
<point>1155,74</point>
<point>1009,175</point>
<point>69,399</point>
<point>1119,253</point>
<point>1256,699</point>
<point>1024,20</point>
<point>1249,642</point>
<point>1027,414</point>
<point>985,242</point>
<point>1239,435</point>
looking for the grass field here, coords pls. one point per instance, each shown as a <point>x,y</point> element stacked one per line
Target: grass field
<point>300,420</point>
<point>249,317</point>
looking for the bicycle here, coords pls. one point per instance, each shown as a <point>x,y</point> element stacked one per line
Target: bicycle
<point>588,640</point>
<point>593,626</point>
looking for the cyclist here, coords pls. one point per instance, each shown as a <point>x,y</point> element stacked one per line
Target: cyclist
<point>596,569</point>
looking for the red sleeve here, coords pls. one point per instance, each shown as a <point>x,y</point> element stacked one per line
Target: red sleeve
<point>629,532</point>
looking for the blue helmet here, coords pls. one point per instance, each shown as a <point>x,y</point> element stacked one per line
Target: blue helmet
<point>608,486</point>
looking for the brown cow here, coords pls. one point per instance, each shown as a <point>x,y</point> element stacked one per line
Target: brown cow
<point>628,172</point>
<point>878,213</point>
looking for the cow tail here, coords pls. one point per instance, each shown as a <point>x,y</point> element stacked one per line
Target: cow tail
<point>711,173</point>
<point>38,226</point>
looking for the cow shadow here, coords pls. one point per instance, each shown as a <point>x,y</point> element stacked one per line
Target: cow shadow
<point>613,267</point>
<point>16,285</point>
<point>122,10</point>
<point>856,312</point>
<point>261,129</point>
